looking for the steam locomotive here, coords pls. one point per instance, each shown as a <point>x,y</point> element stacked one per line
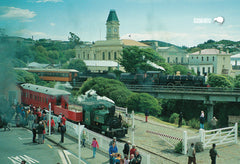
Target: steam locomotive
<point>96,113</point>
<point>158,78</point>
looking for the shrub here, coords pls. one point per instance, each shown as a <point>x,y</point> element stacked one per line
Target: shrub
<point>194,123</point>
<point>173,117</point>
<point>199,146</point>
<point>178,148</point>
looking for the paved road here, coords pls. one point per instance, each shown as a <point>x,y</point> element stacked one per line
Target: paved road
<point>16,145</point>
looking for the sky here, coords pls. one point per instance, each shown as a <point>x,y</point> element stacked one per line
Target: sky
<point>180,22</point>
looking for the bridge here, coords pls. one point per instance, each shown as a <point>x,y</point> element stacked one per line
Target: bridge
<point>208,95</point>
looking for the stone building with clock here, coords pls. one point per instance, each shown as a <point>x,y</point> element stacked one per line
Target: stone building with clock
<point>102,55</point>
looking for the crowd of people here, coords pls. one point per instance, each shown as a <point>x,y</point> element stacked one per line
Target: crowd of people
<point>130,156</point>
<point>36,120</point>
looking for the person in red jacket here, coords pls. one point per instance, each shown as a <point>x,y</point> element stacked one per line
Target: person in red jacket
<point>132,151</point>
<point>52,125</point>
<point>63,120</point>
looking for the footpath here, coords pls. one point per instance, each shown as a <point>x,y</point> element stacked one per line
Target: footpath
<point>71,145</point>
<point>229,154</point>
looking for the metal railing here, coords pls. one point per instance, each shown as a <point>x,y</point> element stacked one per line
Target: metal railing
<point>159,88</point>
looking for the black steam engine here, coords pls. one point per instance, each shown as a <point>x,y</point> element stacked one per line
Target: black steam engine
<point>158,78</point>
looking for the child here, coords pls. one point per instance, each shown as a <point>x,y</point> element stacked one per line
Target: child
<point>95,146</point>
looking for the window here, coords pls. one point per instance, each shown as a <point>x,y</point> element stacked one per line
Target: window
<point>213,58</point>
<point>209,69</point>
<point>176,60</point>
<point>203,70</point>
<point>103,56</point>
<point>109,56</point>
<point>88,56</point>
<point>168,59</point>
<point>115,56</point>
<point>202,58</point>
<point>192,57</point>
<point>95,57</point>
<point>207,58</point>
<point>83,55</point>
<point>182,60</point>
<point>212,69</point>
<point>197,57</point>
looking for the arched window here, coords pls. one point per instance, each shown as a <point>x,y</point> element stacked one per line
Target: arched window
<point>109,56</point>
<point>202,58</point>
<point>103,56</point>
<point>83,55</point>
<point>88,56</point>
<point>213,58</point>
<point>115,55</point>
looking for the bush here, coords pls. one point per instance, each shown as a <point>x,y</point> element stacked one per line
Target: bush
<point>199,146</point>
<point>173,117</point>
<point>194,123</point>
<point>178,148</point>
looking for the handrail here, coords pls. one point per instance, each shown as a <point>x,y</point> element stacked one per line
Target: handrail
<point>154,88</point>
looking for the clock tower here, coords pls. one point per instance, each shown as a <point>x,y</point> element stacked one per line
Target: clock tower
<point>112,26</point>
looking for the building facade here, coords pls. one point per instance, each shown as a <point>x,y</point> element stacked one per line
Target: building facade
<point>104,54</point>
<point>173,55</point>
<point>210,61</point>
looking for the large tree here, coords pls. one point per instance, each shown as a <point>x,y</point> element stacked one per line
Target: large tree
<point>135,58</point>
<point>141,101</point>
<point>77,64</point>
<point>223,81</point>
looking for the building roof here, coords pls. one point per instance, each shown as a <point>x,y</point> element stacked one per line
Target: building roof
<point>112,16</point>
<point>163,48</point>
<point>235,56</point>
<point>47,70</point>
<point>209,51</point>
<point>44,90</point>
<point>37,65</point>
<point>129,42</point>
<point>101,63</point>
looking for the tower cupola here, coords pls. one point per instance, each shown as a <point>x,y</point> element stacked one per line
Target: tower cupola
<point>112,26</point>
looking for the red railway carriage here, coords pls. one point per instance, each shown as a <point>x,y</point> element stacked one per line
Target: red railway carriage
<point>42,96</point>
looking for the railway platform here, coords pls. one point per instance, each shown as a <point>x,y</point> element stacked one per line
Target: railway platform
<point>70,146</point>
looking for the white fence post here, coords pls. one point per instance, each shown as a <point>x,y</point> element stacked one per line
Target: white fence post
<point>184,151</point>
<point>148,159</point>
<point>202,136</point>
<point>236,132</point>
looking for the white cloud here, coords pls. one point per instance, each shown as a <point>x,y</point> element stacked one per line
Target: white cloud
<point>187,39</point>
<point>38,35</point>
<point>52,24</point>
<point>44,1</point>
<point>27,33</point>
<point>170,37</point>
<point>17,13</point>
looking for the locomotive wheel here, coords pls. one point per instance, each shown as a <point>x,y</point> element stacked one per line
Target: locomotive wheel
<point>170,84</point>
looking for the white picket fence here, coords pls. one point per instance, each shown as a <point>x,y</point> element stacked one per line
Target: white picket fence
<point>219,136</point>
<point>208,137</point>
<point>103,141</point>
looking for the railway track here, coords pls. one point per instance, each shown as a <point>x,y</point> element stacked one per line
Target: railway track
<point>156,154</point>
